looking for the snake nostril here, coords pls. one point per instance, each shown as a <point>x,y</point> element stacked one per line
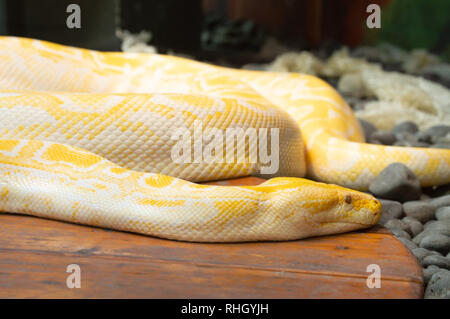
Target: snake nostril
<point>348,199</point>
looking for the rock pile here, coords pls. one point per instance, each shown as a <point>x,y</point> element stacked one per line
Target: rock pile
<point>420,219</point>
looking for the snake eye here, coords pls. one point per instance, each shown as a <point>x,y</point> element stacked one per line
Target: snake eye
<point>348,199</point>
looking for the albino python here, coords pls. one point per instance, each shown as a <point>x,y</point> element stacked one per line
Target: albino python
<point>86,137</point>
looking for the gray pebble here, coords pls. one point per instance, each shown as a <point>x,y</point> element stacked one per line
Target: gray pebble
<point>397,224</point>
<point>400,233</point>
<point>443,213</point>
<point>396,182</point>
<point>441,201</point>
<point>436,132</point>
<point>391,210</point>
<point>423,137</point>
<point>415,226</point>
<point>421,253</point>
<point>429,223</point>
<point>433,227</point>
<point>407,138</point>
<point>436,242</point>
<point>385,137</point>
<point>420,236</point>
<point>438,227</point>
<point>443,140</point>
<point>368,128</point>
<point>422,211</point>
<point>407,126</point>
<point>408,243</point>
<point>439,261</point>
<point>439,285</point>
<point>433,267</point>
<point>429,272</point>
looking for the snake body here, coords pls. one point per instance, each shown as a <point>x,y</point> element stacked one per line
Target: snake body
<point>86,137</point>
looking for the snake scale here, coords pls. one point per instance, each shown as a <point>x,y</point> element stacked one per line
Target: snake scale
<point>85,137</point>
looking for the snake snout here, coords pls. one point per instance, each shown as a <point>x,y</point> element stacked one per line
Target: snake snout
<point>360,208</point>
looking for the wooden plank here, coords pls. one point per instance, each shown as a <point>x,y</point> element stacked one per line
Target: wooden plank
<point>42,275</point>
<point>35,252</point>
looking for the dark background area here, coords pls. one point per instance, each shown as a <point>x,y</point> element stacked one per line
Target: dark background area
<point>232,27</point>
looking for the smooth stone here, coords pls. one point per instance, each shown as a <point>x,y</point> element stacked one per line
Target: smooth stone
<point>406,126</point>
<point>433,227</point>
<point>391,210</point>
<point>385,137</point>
<point>423,137</point>
<point>417,239</point>
<point>421,253</point>
<point>429,223</point>
<point>439,285</point>
<point>408,243</point>
<point>433,267</point>
<point>437,131</point>
<point>441,201</point>
<point>443,213</point>
<point>429,272</point>
<point>439,261</point>
<point>415,226</point>
<point>397,224</point>
<point>443,140</point>
<point>420,236</point>
<point>400,233</point>
<point>368,128</point>
<point>422,211</point>
<point>396,182</point>
<point>407,138</point>
<point>438,227</point>
<point>436,242</point>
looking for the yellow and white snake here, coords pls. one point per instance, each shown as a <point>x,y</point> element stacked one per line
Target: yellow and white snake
<point>85,137</point>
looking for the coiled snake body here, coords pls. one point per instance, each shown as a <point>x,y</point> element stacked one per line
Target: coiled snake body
<point>86,137</point>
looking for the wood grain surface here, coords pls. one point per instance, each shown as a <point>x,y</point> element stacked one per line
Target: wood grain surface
<point>35,253</point>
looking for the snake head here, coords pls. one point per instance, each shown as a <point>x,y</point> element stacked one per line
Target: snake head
<point>314,209</point>
<point>358,207</point>
<point>342,209</point>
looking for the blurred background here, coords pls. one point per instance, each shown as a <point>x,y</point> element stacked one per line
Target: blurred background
<point>234,30</point>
